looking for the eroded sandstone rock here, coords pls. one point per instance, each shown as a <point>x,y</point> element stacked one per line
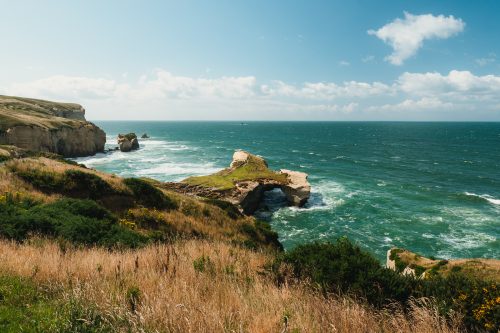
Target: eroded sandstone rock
<point>128,142</point>
<point>245,181</point>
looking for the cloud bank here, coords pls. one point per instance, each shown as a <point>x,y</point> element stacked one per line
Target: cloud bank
<point>164,95</point>
<point>406,36</point>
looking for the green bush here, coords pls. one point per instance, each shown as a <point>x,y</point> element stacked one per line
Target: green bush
<point>43,180</point>
<point>230,209</point>
<point>270,236</point>
<point>346,268</point>
<point>477,300</point>
<point>85,184</point>
<point>78,221</point>
<point>260,232</point>
<point>74,183</point>
<point>148,195</point>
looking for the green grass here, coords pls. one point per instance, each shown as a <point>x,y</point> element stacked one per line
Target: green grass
<point>254,169</point>
<point>26,307</point>
<point>148,195</point>
<point>74,183</point>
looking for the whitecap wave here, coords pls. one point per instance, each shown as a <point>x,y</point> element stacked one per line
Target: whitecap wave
<point>172,169</point>
<point>486,197</point>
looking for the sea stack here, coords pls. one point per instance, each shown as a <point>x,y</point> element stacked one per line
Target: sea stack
<point>128,142</point>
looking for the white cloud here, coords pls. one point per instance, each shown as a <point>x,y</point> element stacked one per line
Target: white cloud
<point>407,35</point>
<point>327,90</point>
<point>458,85</point>
<point>344,63</point>
<point>163,95</point>
<point>70,87</point>
<point>163,85</point>
<point>411,105</point>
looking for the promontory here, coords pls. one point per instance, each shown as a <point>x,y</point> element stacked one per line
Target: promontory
<point>45,126</point>
<point>244,182</point>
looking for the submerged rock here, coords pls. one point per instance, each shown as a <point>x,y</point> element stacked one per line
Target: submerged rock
<point>245,181</point>
<point>145,136</point>
<point>128,142</point>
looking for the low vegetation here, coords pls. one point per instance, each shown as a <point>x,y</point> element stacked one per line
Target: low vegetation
<point>36,199</point>
<point>194,286</point>
<point>254,169</point>
<point>16,111</point>
<point>344,268</point>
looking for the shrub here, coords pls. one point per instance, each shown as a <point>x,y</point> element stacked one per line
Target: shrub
<point>260,232</point>
<point>343,267</point>
<point>43,180</point>
<point>346,268</point>
<point>85,184</point>
<point>72,182</point>
<point>148,195</point>
<point>230,209</point>
<point>79,221</point>
<point>270,236</point>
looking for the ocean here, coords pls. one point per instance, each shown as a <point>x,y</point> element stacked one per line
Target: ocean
<point>433,188</point>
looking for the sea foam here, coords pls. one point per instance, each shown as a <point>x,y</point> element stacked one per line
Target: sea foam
<point>486,197</point>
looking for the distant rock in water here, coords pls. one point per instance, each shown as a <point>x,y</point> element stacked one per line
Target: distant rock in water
<point>45,126</point>
<point>245,181</point>
<point>145,136</point>
<point>128,142</point>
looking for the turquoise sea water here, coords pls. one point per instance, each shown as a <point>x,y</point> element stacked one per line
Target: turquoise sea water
<point>431,187</point>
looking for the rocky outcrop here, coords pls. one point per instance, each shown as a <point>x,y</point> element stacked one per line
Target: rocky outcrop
<point>409,263</point>
<point>297,189</point>
<point>44,126</point>
<point>245,181</point>
<point>128,142</point>
<point>145,136</point>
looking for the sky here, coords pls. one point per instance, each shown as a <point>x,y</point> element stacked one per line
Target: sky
<point>256,60</point>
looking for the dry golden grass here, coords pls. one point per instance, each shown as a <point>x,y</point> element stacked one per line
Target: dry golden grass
<point>231,294</point>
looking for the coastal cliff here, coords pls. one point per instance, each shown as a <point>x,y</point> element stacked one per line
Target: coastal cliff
<point>45,126</point>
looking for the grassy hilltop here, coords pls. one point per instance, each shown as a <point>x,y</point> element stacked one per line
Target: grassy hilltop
<point>15,111</point>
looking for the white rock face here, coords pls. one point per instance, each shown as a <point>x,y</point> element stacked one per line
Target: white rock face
<point>298,189</point>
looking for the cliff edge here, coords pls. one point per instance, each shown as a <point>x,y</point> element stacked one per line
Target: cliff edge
<point>46,126</point>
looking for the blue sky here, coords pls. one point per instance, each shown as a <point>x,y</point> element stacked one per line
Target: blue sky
<point>276,60</point>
